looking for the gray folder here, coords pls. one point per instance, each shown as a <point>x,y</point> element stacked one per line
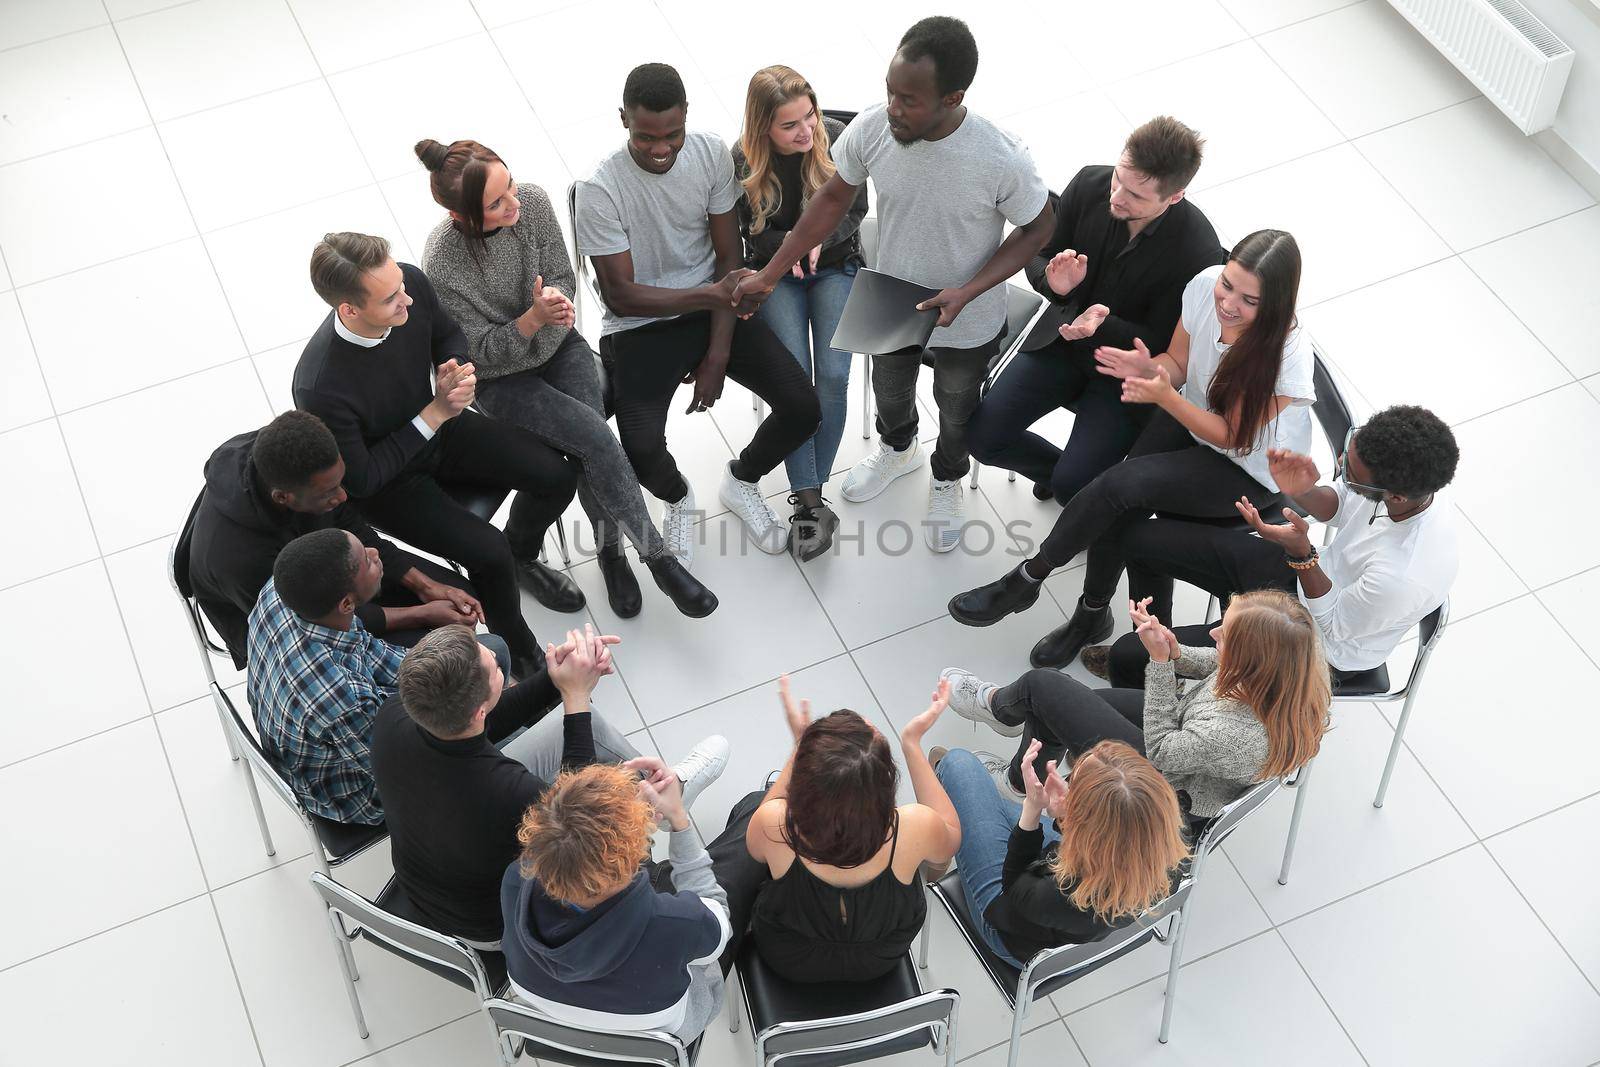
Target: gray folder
<point>881,316</point>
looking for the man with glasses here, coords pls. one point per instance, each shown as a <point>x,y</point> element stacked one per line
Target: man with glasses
<point>1391,560</point>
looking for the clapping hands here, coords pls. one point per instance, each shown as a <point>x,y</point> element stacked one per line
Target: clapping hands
<point>1156,638</point>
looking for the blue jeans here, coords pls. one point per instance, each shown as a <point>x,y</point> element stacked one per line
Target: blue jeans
<point>987,819</point>
<point>817,301</point>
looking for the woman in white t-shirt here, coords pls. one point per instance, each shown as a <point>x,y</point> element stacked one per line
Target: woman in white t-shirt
<point>1235,380</point>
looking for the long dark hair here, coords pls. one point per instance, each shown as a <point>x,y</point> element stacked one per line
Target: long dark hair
<point>1248,373</point>
<point>841,792</point>
<point>459,171</point>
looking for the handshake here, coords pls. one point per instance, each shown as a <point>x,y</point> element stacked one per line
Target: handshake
<point>743,290</point>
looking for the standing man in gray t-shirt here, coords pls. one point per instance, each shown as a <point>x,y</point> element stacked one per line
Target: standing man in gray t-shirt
<point>948,181</point>
<point>657,218</point>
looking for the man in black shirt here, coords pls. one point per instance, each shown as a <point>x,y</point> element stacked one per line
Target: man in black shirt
<point>1126,243</point>
<point>384,372</point>
<point>452,800</point>
<point>267,487</point>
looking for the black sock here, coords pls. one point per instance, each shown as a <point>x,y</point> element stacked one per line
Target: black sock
<point>1094,603</point>
<point>1037,569</point>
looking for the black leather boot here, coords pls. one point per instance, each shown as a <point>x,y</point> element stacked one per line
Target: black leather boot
<point>1061,646</point>
<point>988,604</point>
<point>691,597</point>
<point>622,588</point>
<point>552,588</point>
<point>1042,491</point>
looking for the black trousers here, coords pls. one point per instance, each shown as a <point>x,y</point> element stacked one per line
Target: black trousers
<point>958,375</point>
<point>1166,472</point>
<point>395,595</point>
<point>1066,716</point>
<point>471,449</point>
<point>1222,560</point>
<point>739,875</point>
<point>1069,718</point>
<point>1060,375</point>
<point>648,363</point>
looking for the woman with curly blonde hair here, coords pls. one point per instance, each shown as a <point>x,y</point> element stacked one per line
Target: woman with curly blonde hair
<point>1252,708</point>
<point>781,159</point>
<point>1109,853</point>
<point>588,938</point>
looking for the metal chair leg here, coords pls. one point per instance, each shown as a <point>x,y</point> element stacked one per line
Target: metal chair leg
<point>922,949</point>
<point>1394,747</point>
<point>976,467</point>
<point>1174,961</point>
<point>1017,1012</point>
<point>255,802</point>
<point>347,968</point>
<point>1302,779</point>
<point>1011,476</point>
<point>227,727</point>
<point>731,1002</point>
<point>561,543</point>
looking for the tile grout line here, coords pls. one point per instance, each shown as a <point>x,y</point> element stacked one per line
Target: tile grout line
<point>194,842</point>
<point>1535,912</point>
<point>1348,1036</point>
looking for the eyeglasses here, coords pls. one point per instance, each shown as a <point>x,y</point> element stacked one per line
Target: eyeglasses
<point>1341,471</point>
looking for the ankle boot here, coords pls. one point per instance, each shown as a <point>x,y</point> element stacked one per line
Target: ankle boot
<point>622,588</point>
<point>691,597</point>
<point>988,604</point>
<point>554,589</point>
<point>1061,646</point>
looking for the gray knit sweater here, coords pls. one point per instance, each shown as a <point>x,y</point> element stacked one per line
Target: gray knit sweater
<point>1210,747</point>
<point>485,294</point>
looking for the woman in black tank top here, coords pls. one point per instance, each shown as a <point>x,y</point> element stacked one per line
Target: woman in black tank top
<point>846,899</point>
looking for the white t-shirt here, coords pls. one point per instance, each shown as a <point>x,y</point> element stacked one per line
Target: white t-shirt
<point>1291,428</point>
<point>1386,576</point>
<point>661,219</point>
<point>943,206</point>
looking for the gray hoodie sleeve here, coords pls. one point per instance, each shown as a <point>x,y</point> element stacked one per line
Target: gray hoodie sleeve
<point>692,873</point>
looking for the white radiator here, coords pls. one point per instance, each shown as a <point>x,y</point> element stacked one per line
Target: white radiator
<point>1506,52</point>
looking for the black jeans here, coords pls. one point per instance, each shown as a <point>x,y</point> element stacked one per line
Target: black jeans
<point>1066,716</point>
<point>1129,659</point>
<point>1165,472</point>
<point>395,595</point>
<point>739,875</point>
<point>473,450</point>
<point>958,375</point>
<point>1060,375</point>
<point>648,363</point>
<point>1222,560</point>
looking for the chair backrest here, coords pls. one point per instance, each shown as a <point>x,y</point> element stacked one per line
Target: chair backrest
<point>403,937</point>
<point>580,264</point>
<point>247,746</point>
<point>559,1042</point>
<point>859,1031</point>
<point>1228,819</point>
<point>1053,968</point>
<point>1023,308</point>
<point>846,117</point>
<point>178,578</point>
<point>1429,631</point>
<point>869,240</point>
<point>1331,409</point>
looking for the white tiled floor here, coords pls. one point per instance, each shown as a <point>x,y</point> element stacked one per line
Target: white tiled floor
<point>164,170</point>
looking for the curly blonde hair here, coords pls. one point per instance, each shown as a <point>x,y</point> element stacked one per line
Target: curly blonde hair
<point>585,838</point>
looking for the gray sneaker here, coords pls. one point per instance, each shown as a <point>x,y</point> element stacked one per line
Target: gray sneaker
<point>969,698</point>
<point>703,765</point>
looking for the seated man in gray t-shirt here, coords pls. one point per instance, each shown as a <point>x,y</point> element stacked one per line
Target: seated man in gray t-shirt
<point>657,218</point>
<point>947,182</point>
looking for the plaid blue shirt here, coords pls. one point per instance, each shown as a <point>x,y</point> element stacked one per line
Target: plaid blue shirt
<point>315,692</point>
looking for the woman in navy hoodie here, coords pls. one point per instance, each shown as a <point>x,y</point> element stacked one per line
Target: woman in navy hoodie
<point>588,939</point>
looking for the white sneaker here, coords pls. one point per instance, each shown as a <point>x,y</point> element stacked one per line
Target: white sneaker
<point>677,528</point>
<point>703,765</point>
<point>969,698</point>
<point>744,500</point>
<point>873,474</point>
<point>947,511</point>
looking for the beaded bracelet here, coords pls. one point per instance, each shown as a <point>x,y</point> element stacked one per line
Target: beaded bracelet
<point>1302,564</point>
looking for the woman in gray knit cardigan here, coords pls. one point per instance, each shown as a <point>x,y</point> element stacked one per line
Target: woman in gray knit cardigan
<point>1213,720</point>
<point>500,267</point>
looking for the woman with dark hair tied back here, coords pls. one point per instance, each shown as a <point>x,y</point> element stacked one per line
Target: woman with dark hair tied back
<point>846,899</point>
<point>1246,376</point>
<point>499,264</point>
